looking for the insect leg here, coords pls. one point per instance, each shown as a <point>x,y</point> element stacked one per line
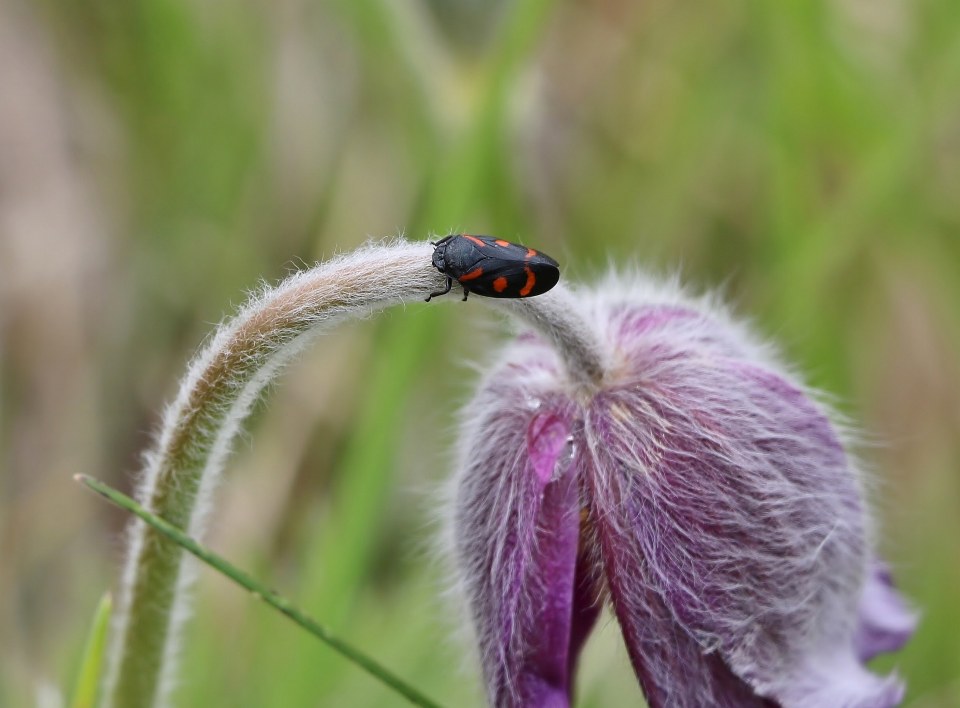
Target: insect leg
<point>441,292</point>
<point>465,293</point>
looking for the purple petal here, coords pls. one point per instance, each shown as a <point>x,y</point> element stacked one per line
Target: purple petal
<point>672,667</point>
<point>518,528</point>
<point>588,588</point>
<point>886,623</point>
<point>731,526</point>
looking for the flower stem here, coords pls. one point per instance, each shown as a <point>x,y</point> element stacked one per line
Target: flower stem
<point>259,591</point>
<point>555,315</point>
<point>221,384</point>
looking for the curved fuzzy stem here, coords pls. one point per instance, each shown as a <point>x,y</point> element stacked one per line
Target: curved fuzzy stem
<point>216,394</point>
<point>220,386</point>
<point>556,316</point>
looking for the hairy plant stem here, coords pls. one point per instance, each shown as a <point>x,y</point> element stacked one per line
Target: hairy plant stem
<point>215,396</point>
<point>554,315</point>
<point>274,599</point>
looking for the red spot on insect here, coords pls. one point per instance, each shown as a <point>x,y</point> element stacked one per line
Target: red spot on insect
<point>528,286</point>
<point>476,240</point>
<point>501,242</point>
<point>472,275</point>
<point>500,284</point>
<point>530,254</point>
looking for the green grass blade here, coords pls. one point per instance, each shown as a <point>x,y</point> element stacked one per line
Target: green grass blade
<point>259,591</point>
<point>91,665</point>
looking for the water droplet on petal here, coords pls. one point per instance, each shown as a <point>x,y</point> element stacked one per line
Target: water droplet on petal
<point>564,458</point>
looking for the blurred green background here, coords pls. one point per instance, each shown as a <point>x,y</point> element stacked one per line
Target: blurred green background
<point>159,157</point>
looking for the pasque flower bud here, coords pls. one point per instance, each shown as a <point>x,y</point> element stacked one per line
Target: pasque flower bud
<point>698,488</point>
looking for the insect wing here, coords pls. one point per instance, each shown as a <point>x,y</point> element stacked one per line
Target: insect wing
<point>496,268</point>
<point>515,278</point>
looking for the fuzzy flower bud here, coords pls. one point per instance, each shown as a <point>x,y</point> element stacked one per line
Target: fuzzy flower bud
<point>698,488</point>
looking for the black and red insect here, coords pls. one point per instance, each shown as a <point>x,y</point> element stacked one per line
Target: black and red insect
<point>493,267</point>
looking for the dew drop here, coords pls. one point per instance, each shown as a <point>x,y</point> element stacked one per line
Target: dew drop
<point>567,453</point>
